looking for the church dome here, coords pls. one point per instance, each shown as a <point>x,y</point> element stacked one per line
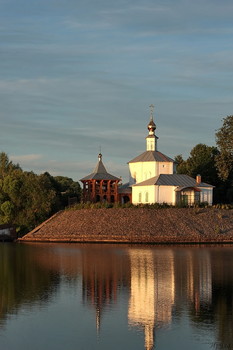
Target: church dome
<point>151,126</point>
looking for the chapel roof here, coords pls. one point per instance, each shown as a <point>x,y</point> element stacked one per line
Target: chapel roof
<point>100,172</point>
<point>173,180</point>
<point>151,156</point>
<point>125,188</point>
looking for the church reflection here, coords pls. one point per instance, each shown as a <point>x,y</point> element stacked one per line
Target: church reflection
<point>151,291</point>
<point>148,277</point>
<point>159,285</point>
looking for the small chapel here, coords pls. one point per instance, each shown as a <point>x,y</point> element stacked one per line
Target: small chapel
<point>153,179</point>
<point>100,186</point>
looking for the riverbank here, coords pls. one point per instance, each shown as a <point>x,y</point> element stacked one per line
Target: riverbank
<point>129,225</point>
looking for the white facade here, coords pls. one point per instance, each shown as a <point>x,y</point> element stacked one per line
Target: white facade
<point>144,194</point>
<point>168,194</point>
<point>153,194</point>
<point>141,171</point>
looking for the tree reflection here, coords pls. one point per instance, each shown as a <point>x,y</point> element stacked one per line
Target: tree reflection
<point>104,273</point>
<point>223,296</point>
<point>22,281</point>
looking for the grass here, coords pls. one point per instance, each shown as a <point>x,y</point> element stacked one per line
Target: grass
<point>105,205</point>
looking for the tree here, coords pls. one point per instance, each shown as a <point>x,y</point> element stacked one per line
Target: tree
<point>68,189</point>
<point>181,167</point>
<point>224,141</point>
<point>65,189</point>
<point>6,166</point>
<point>200,161</point>
<point>27,199</point>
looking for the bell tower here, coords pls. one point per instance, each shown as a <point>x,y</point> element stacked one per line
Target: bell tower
<point>151,139</point>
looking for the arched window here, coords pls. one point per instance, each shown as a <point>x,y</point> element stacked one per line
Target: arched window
<point>139,197</point>
<point>135,176</point>
<point>146,197</point>
<point>125,199</point>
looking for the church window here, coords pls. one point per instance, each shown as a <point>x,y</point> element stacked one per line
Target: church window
<point>139,197</point>
<point>146,197</point>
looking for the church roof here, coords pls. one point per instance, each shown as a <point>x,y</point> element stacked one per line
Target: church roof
<point>173,180</point>
<point>100,172</point>
<point>152,156</point>
<point>125,188</point>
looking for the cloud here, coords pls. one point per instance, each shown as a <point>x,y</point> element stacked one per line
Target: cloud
<point>151,18</point>
<point>26,158</point>
<point>79,74</point>
<point>75,169</point>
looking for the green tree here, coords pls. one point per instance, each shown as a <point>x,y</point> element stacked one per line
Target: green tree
<point>6,166</point>
<point>200,161</point>
<point>224,141</point>
<point>36,200</point>
<point>26,199</point>
<point>65,189</point>
<point>68,189</point>
<point>181,165</point>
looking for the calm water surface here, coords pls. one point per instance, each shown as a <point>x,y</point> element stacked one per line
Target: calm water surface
<point>75,297</point>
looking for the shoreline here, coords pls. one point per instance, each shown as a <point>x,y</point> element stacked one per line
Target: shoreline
<point>136,226</point>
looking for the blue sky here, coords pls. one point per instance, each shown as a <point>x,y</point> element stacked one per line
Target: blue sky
<point>79,74</point>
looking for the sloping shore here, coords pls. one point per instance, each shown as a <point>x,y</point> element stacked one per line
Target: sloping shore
<point>140,225</point>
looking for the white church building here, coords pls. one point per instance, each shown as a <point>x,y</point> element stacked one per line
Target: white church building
<point>153,178</point>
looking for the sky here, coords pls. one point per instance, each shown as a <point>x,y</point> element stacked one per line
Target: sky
<point>80,75</point>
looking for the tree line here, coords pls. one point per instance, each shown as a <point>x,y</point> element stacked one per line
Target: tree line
<point>214,164</point>
<point>27,199</point>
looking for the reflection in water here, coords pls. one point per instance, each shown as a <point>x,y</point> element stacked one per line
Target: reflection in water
<point>102,274</point>
<point>193,277</point>
<point>23,283</point>
<point>152,291</point>
<point>158,286</point>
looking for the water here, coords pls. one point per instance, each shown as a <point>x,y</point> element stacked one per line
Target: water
<point>74,297</point>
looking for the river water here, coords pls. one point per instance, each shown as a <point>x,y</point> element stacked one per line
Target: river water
<point>81,297</point>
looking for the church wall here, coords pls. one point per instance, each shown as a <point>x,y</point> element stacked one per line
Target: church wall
<point>153,194</point>
<point>145,170</point>
<point>165,194</point>
<point>142,171</point>
<point>165,168</point>
<point>143,194</point>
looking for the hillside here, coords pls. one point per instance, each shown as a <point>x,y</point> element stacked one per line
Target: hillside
<point>139,225</point>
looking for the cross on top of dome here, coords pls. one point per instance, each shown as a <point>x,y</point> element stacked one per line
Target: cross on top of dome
<point>151,126</point>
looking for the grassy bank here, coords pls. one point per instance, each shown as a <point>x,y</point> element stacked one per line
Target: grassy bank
<point>137,225</point>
